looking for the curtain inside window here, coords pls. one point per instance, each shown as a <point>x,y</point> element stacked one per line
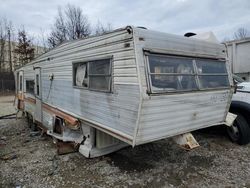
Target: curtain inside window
<point>80,74</point>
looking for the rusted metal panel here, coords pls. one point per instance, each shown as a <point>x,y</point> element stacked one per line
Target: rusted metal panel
<point>66,147</point>
<point>59,113</point>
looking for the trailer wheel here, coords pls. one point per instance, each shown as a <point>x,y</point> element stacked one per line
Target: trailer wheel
<point>239,132</point>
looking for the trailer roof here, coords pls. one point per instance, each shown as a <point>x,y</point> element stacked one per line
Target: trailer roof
<point>140,31</point>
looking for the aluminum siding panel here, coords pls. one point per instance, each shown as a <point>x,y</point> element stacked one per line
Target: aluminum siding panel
<point>116,110</point>
<point>169,115</point>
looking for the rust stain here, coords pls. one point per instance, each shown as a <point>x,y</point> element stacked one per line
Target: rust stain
<point>29,99</point>
<point>59,113</point>
<point>20,96</point>
<point>66,147</point>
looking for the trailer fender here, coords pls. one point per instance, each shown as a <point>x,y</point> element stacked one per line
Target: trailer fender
<point>239,105</point>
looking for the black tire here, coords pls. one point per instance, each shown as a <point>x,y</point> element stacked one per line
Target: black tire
<point>239,132</point>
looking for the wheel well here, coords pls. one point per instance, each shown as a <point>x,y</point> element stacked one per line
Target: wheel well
<point>243,111</point>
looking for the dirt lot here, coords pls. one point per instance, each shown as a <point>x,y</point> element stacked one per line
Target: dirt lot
<point>28,160</point>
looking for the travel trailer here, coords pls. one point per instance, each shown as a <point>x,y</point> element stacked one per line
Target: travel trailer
<point>128,87</point>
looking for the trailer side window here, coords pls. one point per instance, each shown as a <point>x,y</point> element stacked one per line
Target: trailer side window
<point>95,75</point>
<point>171,73</point>
<point>174,73</point>
<point>30,86</point>
<point>100,75</point>
<point>212,74</point>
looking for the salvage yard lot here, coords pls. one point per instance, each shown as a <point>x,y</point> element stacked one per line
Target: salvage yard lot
<point>29,160</point>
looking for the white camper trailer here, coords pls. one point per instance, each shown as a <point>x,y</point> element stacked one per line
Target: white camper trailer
<point>127,87</point>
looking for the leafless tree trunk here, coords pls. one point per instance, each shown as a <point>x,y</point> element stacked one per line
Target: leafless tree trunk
<point>241,33</point>
<point>10,40</point>
<point>6,31</point>
<point>2,42</point>
<point>70,24</point>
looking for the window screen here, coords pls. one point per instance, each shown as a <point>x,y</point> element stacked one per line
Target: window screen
<point>95,75</point>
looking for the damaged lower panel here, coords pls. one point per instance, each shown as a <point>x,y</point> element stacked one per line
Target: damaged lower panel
<point>66,147</point>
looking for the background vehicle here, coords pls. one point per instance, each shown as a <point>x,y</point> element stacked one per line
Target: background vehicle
<point>240,131</point>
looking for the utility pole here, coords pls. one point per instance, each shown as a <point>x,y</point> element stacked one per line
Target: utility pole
<point>10,58</point>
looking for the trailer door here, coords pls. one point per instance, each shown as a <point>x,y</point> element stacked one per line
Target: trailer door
<point>38,94</point>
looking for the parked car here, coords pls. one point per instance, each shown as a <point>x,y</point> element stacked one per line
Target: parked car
<point>240,131</point>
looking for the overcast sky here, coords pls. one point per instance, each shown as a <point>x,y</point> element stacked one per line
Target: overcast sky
<point>222,17</point>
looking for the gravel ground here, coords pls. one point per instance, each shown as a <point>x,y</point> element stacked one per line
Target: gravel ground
<point>31,161</point>
<point>6,105</point>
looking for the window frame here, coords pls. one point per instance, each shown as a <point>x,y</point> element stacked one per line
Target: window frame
<point>110,75</point>
<point>195,73</point>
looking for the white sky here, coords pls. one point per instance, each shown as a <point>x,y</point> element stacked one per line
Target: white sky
<point>223,17</point>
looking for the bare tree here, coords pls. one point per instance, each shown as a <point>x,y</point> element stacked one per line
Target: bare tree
<point>241,33</point>
<point>10,34</point>
<point>2,43</point>
<point>69,24</point>
<point>6,36</point>
<point>100,28</point>
<point>24,50</point>
<point>40,41</point>
<point>3,39</point>
<point>58,33</point>
<point>77,23</point>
